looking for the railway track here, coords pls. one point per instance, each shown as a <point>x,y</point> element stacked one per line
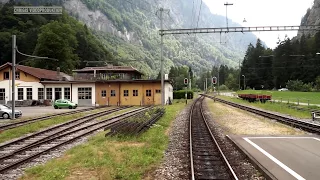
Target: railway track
<point>24,150</point>
<point>307,126</point>
<point>32,120</point>
<point>207,160</point>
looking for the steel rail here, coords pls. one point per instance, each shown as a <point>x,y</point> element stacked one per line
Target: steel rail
<point>78,121</point>
<point>99,125</point>
<point>307,126</point>
<point>217,144</point>
<point>223,158</point>
<point>32,120</point>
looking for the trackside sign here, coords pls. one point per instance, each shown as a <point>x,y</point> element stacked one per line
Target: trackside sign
<point>37,9</point>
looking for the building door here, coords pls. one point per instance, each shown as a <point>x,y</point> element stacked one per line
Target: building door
<point>57,93</point>
<point>2,96</point>
<point>85,96</point>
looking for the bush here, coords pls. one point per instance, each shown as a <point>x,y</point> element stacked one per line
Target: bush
<point>223,88</point>
<point>181,94</point>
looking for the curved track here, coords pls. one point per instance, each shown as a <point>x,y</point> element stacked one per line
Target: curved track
<point>25,149</point>
<point>28,121</point>
<point>307,126</point>
<point>207,160</point>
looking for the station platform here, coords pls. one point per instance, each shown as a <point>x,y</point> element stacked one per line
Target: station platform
<point>283,157</point>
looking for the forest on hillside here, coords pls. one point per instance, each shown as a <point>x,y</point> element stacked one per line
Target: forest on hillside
<point>61,37</point>
<point>294,64</point>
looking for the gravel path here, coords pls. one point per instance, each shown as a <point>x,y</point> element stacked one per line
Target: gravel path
<point>176,161</point>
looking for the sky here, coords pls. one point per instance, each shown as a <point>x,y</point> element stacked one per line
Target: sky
<point>264,13</point>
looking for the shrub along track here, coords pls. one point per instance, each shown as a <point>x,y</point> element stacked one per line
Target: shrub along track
<point>32,120</point>
<point>21,151</point>
<point>307,126</point>
<point>207,160</point>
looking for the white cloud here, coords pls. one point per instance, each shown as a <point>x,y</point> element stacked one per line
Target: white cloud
<point>263,13</point>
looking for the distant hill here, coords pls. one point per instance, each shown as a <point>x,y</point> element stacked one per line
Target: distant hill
<point>129,30</point>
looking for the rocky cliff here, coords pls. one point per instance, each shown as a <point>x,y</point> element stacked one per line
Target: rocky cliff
<point>312,17</point>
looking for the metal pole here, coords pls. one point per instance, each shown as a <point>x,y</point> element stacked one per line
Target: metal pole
<point>13,75</point>
<point>239,76</point>
<point>161,57</point>
<point>218,81</point>
<point>206,84</point>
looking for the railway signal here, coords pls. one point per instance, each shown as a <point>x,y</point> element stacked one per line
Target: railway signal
<point>185,81</point>
<point>214,80</point>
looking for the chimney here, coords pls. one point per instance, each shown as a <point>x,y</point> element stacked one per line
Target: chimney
<point>58,72</point>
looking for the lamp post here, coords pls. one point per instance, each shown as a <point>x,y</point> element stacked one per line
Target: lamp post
<point>227,4</point>
<point>14,51</point>
<point>244,82</point>
<point>317,53</point>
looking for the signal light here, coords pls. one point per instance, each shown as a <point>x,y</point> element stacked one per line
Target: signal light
<point>214,80</point>
<point>185,81</point>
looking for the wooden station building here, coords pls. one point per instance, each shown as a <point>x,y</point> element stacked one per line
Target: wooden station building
<point>90,86</point>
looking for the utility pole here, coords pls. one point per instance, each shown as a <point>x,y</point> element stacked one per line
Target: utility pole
<point>227,4</point>
<point>218,81</point>
<point>239,75</point>
<point>13,115</point>
<point>161,57</point>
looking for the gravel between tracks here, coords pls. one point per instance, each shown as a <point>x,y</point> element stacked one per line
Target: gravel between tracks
<point>176,161</point>
<point>240,164</point>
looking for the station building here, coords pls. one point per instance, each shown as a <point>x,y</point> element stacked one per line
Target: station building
<point>90,86</point>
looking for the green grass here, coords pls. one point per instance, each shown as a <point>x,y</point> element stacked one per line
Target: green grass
<point>120,157</point>
<point>292,96</point>
<point>34,127</point>
<point>276,107</point>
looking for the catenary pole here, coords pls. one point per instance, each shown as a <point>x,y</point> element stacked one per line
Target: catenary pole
<point>13,75</point>
<point>161,57</point>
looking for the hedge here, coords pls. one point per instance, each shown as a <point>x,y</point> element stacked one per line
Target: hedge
<point>181,94</point>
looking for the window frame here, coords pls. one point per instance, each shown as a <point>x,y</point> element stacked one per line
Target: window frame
<point>19,95</point>
<point>18,75</point>
<point>29,93</point>
<point>126,93</point>
<point>158,91</point>
<point>49,90</point>
<point>67,93</point>
<point>135,92</point>
<point>103,93</point>
<point>4,75</point>
<point>148,93</point>
<point>40,93</point>
<point>113,93</point>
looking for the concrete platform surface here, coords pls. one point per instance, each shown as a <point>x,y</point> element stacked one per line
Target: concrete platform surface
<point>283,157</point>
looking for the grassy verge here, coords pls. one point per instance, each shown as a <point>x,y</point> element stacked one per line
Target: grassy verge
<point>34,127</point>
<point>276,107</point>
<point>121,157</point>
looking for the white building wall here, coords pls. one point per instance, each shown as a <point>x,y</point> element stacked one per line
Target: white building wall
<point>168,91</point>
<point>53,86</point>
<point>6,84</point>
<point>84,85</point>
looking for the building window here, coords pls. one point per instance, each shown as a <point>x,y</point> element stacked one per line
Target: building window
<point>49,93</point>
<point>17,75</point>
<point>148,92</point>
<point>113,93</point>
<point>67,94</point>
<point>85,93</point>
<point>135,92</point>
<point>20,93</point>
<point>6,75</point>
<point>103,93</point>
<point>125,92</point>
<point>29,93</point>
<point>40,93</point>
<point>158,91</point>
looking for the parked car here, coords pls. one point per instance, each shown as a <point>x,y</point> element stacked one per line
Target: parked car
<point>6,112</point>
<point>63,103</point>
<point>283,89</point>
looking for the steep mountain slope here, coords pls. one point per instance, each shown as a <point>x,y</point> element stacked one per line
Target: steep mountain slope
<point>312,17</point>
<point>129,30</point>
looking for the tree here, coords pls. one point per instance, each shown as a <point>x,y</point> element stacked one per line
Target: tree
<point>57,40</point>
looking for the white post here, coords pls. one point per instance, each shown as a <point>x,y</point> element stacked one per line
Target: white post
<point>161,57</point>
